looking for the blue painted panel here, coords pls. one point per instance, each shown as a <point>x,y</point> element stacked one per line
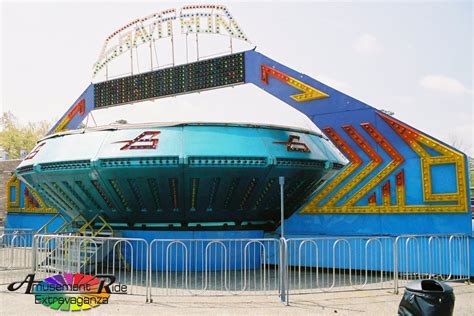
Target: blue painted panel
<point>31,221</point>
<point>88,96</point>
<point>471,258</point>
<point>443,178</point>
<point>337,111</point>
<point>253,61</point>
<point>22,196</point>
<point>362,254</point>
<point>12,194</point>
<point>192,250</point>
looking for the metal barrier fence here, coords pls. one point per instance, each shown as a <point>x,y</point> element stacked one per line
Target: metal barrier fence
<point>348,263</point>
<point>244,266</point>
<point>125,258</point>
<point>15,253</point>
<point>339,263</point>
<point>443,257</point>
<point>210,267</point>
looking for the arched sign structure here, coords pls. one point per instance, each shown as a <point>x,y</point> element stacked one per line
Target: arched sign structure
<point>206,19</point>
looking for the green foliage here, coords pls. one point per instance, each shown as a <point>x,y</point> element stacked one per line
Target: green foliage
<point>15,137</point>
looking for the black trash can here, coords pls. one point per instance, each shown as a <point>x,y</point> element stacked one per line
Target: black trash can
<point>427,298</point>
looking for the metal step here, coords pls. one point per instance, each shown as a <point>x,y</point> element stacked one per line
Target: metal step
<point>105,234</point>
<point>77,255</point>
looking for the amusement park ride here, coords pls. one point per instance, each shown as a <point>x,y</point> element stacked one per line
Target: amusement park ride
<point>141,179</point>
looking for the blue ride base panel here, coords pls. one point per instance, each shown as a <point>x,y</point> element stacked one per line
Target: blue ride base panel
<point>196,251</point>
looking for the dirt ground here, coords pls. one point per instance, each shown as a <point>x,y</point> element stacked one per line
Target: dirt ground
<point>373,302</point>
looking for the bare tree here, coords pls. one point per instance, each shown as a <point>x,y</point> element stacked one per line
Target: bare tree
<point>457,142</point>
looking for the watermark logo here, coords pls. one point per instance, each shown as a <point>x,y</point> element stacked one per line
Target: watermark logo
<point>70,291</point>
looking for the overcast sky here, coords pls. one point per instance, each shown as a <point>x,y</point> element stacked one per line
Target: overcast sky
<point>413,58</point>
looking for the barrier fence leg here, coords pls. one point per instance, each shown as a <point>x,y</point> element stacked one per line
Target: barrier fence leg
<point>468,261</point>
<point>33,255</point>
<point>148,273</point>
<point>283,276</point>
<point>395,266</point>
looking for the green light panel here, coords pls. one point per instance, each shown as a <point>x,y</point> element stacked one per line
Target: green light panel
<point>206,74</point>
